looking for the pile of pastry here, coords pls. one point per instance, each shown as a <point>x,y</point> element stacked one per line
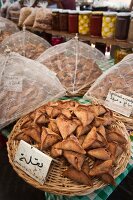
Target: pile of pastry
<point>82,135</point>
<point>64,65</point>
<point>3,35</point>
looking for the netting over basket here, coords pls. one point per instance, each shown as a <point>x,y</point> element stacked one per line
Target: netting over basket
<point>7,28</point>
<point>26,44</point>
<point>24,85</point>
<point>119,78</point>
<point>77,65</point>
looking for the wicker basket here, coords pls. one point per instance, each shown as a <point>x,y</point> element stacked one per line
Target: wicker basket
<point>128,121</point>
<point>55,182</point>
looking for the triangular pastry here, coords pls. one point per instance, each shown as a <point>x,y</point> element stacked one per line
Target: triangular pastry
<point>90,138</point>
<point>65,126</point>
<point>99,153</point>
<point>101,168</point>
<point>77,176</point>
<point>74,158</point>
<point>48,138</point>
<point>85,116</point>
<point>70,144</point>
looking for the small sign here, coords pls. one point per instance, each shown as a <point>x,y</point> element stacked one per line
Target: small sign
<point>32,161</point>
<point>119,103</point>
<point>13,83</point>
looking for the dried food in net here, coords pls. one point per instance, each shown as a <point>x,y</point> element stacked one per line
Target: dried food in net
<point>119,79</point>
<point>76,64</point>
<point>24,85</point>
<point>7,28</point>
<point>24,13</point>
<point>26,44</point>
<point>29,21</point>
<point>43,19</point>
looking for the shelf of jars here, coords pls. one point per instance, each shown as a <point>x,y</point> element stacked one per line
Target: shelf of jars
<point>93,40</point>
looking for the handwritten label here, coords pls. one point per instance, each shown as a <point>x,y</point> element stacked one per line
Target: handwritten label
<point>119,103</point>
<point>32,161</point>
<point>13,83</point>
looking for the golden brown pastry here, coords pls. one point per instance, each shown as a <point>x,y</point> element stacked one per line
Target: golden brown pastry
<point>65,126</point>
<point>84,116</point>
<point>77,176</point>
<point>53,126</point>
<point>70,144</point>
<point>74,158</point>
<point>99,153</point>
<point>33,133</point>
<point>101,168</point>
<point>55,152</point>
<point>115,137</point>
<point>90,138</point>
<point>48,138</point>
<point>82,130</point>
<point>24,137</point>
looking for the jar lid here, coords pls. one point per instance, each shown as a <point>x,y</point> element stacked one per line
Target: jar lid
<point>85,12</point>
<point>73,11</point>
<point>124,14</point>
<point>97,13</point>
<point>109,13</point>
<point>56,10</point>
<point>64,11</point>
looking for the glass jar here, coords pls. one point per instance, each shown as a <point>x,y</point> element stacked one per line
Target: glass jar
<point>108,24</point>
<point>55,19</point>
<point>121,53</point>
<point>84,22</point>
<point>96,24</point>
<point>122,26</point>
<point>130,33</point>
<point>64,20</point>
<point>73,21</point>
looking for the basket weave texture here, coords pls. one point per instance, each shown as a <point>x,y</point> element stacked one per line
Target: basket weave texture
<point>55,182</point>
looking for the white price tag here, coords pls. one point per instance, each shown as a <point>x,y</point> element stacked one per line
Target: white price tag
<point>119,103</point>
<point>32,161</point>
<point>13,83</point>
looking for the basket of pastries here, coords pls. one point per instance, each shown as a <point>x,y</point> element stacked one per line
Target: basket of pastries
<point>76,64</point>
<point>7,28</point>
<point>119,79</point>
<point>89,146</point>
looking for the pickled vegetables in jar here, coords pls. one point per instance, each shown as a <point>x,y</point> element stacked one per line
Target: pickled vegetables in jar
<point>84,22</point>
<point>108,24</point>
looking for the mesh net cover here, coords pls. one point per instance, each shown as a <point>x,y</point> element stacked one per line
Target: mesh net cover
<point>26,44</point>
<point>24,85</point>
<point>119,78</point>
<point>7,28</point>
<point>76,64</point>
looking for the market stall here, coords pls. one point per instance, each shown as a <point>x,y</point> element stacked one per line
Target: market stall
<point>66,109</point>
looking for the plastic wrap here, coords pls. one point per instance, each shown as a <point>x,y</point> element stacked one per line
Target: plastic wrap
<point>7,28</point>
<point>119,78</point>
<point>75,63</point>
<point>25,43</point>
<point>24,85</point>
